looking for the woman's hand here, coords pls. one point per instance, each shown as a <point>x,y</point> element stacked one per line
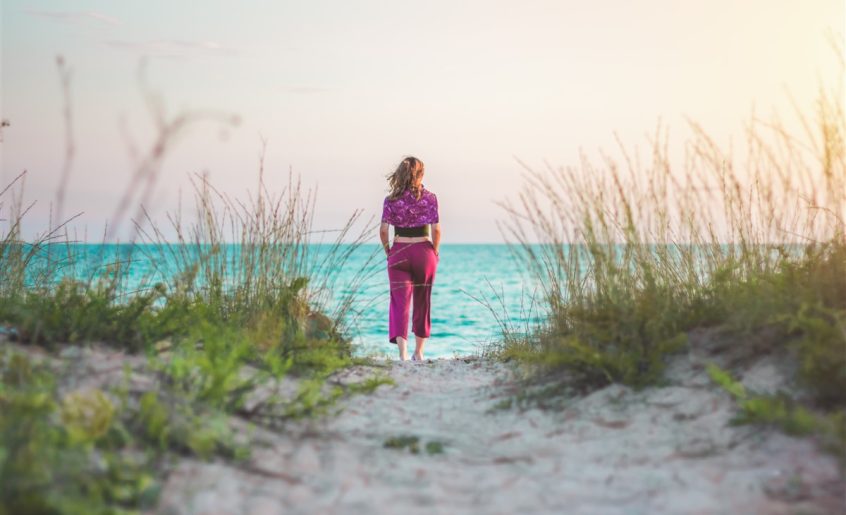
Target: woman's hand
<point>436,239</point>
<point>383,235</point>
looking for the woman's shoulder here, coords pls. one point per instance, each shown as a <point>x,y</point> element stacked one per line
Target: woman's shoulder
<point>429,194</point>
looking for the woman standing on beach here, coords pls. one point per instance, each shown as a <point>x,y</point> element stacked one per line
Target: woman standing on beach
<point>413,257</point>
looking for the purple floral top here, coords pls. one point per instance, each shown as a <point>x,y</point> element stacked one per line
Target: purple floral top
<point>407,211</point>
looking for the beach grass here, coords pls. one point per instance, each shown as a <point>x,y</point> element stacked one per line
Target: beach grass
<point>234,304</point>
<point>641,248</point>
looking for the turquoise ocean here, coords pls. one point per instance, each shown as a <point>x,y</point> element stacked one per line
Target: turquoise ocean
<point>478,290</point>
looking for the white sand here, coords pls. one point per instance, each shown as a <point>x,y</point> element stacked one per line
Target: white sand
<point>661,450</point>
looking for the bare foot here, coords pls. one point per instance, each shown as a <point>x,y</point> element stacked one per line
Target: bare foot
<point>402,343</point>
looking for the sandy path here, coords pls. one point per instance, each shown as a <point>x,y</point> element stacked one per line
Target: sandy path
<point>661,450</point>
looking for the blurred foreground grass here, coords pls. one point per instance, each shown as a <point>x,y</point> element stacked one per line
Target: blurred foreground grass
<point>234,311</point>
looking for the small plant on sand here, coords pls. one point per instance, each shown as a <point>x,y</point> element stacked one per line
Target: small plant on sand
<point>785,412</point>
<point>434,447</point>
<point>413,444</point>
<point>64,455</point>
<point>410,442</point>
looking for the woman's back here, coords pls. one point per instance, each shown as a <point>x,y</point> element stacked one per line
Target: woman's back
<point>407,210</point>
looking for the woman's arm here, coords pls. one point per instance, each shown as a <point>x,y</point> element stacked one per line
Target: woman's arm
<point>436,236</point>
<point>383,235</point>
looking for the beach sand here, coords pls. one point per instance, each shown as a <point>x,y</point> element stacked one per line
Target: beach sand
<point>659,450</point>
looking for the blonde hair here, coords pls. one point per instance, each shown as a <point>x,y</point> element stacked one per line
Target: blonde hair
<point>405,177</point>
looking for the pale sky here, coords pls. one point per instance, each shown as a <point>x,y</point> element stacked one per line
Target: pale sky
<point>343,90</point>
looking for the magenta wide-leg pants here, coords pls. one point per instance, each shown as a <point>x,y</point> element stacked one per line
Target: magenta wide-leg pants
<point>411,272</point>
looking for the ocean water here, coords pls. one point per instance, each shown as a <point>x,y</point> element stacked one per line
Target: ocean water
<point>478,289</point>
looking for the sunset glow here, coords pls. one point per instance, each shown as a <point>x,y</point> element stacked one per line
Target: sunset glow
<point>343,90</point>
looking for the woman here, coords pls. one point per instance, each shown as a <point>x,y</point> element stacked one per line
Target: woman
<point>413,258</point>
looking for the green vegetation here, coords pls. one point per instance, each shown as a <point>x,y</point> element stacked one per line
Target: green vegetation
<point>434,447</point>
<point>402,442</point>
<point>226,312</point>
<point>783,411</point>
<point>236,306</point>
<point>65,455</point>
<point>412,443</point>
<point>636,253</point>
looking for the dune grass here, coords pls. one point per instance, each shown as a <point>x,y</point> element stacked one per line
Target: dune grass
<point>636,251</point>
<point>220,314</point>
<point>222,306</point>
